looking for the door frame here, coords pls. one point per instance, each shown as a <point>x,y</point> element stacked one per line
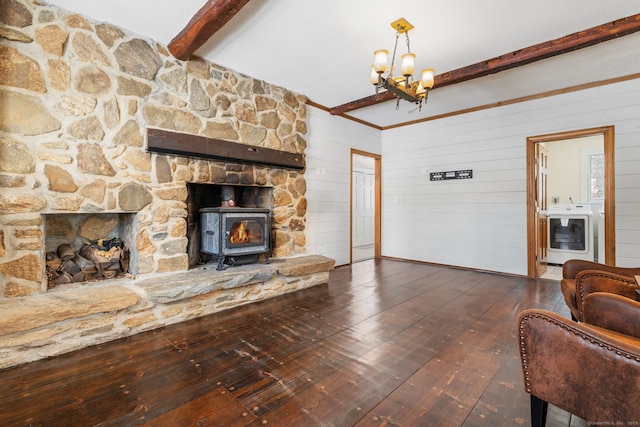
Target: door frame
<point>608,132</point>
<point>542,220</point>
<point>377,219</point>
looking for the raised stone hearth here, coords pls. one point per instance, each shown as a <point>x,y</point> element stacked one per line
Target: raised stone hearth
<point>75,316</point>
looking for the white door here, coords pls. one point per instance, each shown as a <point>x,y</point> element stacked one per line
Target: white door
<point>363,207</point>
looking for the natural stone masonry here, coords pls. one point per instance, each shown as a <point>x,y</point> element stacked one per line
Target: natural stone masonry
<point>81,96</point>
<point>77,98</point>
<point>75,316</point>
<point>21,314</point>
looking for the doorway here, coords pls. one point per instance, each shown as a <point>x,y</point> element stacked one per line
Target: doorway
<point>538,198</point>
<point>365,205</point>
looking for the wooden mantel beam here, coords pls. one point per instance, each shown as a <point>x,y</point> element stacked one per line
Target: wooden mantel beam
<point>180,144</point>
<point>213,16</point>
<point>527,55</point>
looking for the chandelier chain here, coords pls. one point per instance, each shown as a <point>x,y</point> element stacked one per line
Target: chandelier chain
<point>408,47</point>
<point>393,58</point>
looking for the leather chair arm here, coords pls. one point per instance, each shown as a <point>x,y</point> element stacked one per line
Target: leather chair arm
<point>583,369</point>
<point>590,281</point>
<point>613,312</point>
<point>571,268</point>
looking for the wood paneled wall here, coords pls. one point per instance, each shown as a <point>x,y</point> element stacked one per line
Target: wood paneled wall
<point>481,222</point>
<point>329,143</point>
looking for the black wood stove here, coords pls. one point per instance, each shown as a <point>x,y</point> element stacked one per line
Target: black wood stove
<point>235,235</point>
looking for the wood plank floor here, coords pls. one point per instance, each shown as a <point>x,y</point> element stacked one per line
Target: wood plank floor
<point>384,343</point>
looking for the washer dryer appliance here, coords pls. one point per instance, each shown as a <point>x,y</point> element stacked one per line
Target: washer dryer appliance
<point>570,233</point>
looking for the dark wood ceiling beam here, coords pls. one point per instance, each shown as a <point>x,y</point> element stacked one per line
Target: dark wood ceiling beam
<point>572,42</point>
<point>213,16</point>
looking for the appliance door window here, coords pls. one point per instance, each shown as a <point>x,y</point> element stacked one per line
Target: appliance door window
<point>568,234</point>
<point>245,231</point>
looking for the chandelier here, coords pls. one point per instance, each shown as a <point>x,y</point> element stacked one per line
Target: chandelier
<point>403,86</point>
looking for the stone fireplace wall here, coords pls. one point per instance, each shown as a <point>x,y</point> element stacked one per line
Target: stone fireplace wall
<point>76,99</point>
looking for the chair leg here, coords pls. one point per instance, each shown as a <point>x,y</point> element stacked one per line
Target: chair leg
<point>538,412</point>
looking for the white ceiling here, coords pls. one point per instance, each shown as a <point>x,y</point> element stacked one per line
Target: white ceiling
<point>324,48</point>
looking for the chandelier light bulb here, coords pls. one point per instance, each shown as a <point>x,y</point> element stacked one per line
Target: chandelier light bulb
<point>380,62</point>
<point>408,64</point>
<point>427,79</point>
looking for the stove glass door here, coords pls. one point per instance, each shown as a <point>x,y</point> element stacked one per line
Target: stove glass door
<point>245,232</point>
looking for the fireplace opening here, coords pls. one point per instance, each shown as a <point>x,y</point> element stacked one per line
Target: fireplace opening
<point>87,247</point>
<point>228,224</point>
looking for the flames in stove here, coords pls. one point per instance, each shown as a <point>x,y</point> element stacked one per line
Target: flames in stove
<point>239,233</point>
<point>245,232</point>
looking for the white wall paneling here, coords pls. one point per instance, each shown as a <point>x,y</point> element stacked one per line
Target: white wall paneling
<point>481,222</point>
<point>477,223</point>
<point>329,143</point>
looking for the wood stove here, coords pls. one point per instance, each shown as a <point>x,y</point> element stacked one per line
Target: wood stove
<point>235,235</point>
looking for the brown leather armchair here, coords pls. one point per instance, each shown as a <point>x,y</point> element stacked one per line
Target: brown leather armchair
<point>590,369</point>
<point>580,278</point>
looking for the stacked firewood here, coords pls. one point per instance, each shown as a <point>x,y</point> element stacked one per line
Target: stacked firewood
<point>98,260</point>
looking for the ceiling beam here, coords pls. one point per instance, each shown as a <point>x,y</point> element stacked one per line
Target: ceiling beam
<point>209,19</point>
<point>527,55</point>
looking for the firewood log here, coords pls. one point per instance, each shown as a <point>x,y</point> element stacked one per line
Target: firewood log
<point>85,265</point>
<point>51,273</point>
<point>63,278</point>
<point>65,251</point>
<point>109,266</point>
<point>85,251</point>
<point>54,264</point>
<point>70,267</point>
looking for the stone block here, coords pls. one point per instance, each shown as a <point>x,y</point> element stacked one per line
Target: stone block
<point>177,263</point>
<point>13,289</point>
<point>137,58</point>
<point>88,50</point>
<point>304,265</point>
<point>133,197</point>
<point>36,338</point>
<point>136,321</point>
<point>28,267</point>
<point>26,116</point>
<point>26,313</point>
<point>108,34</point>
<point>172,288</point>
<point>92,80</point>
<point>59,179</point>
<point>15,157</point>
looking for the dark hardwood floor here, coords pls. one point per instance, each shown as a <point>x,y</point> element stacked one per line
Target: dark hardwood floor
<point>384,343</point>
